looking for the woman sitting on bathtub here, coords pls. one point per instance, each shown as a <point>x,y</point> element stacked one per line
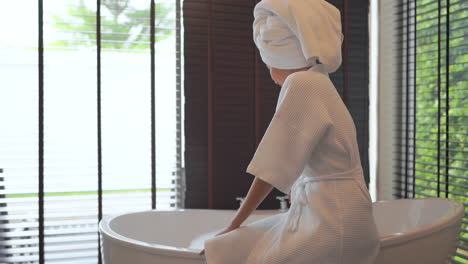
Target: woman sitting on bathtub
<point>309,150</point>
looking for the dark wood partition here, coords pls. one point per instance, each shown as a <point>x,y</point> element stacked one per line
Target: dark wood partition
<point>230,98</point>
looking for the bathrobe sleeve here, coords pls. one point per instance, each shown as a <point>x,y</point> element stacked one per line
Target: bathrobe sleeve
<point>299,123</point>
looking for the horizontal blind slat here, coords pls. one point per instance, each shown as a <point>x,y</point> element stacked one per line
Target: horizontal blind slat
<point>430,123</point>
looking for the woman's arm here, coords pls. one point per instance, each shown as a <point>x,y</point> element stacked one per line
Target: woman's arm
<point>257,193</point>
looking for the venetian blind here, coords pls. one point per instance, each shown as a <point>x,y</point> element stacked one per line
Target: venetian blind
<point>90,121</point>
<point>431,126</point>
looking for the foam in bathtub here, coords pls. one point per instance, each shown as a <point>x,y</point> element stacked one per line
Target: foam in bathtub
<point>198,242</point>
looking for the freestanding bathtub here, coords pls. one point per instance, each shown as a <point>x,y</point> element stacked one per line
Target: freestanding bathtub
<point>412,231</point>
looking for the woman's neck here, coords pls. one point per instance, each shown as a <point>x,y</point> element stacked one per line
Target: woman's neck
<point>280,75</point>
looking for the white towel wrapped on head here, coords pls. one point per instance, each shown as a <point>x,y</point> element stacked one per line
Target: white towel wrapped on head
<point>294,34</point>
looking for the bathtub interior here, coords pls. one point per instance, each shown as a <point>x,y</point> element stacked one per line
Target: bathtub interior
<point>180,228</point>
<point>396,217</point>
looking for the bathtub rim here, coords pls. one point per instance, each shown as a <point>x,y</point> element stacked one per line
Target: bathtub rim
<point>157,249</point>
<point>441,224</point>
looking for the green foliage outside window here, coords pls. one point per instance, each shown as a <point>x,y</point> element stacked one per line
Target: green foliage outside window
<point>126,28</point>
<point>431,114</point>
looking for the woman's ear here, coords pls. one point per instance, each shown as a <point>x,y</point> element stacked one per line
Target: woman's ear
<point>274,75</point>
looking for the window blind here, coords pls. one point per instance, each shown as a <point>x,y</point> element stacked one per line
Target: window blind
<point>431,126</point>
<point>90,121</point>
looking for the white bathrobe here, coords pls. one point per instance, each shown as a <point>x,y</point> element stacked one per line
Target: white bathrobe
<point>309,148</point>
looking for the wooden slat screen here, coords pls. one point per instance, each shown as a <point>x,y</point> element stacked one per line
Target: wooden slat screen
<point>230,98</point>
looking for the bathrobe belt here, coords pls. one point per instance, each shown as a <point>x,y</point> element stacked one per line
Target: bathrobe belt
<point>299,191</point>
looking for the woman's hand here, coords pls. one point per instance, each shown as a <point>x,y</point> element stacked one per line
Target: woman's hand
<point>257,192</point>
<point>224,231</point>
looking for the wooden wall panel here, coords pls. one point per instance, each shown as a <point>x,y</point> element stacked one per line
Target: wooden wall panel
<point>230,97</point>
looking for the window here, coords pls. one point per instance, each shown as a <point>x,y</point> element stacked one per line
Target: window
<point>107,137</point>
<point>432,122</point>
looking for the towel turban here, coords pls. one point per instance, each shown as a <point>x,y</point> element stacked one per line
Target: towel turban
<point>294,34</point>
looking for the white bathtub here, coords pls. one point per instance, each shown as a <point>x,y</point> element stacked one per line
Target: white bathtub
<point>412,231</point>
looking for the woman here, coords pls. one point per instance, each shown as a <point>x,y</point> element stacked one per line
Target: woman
<point>309,150</point>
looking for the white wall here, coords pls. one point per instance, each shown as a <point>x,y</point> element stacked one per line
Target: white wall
<point>385,99</point>
<point>373,70</point>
